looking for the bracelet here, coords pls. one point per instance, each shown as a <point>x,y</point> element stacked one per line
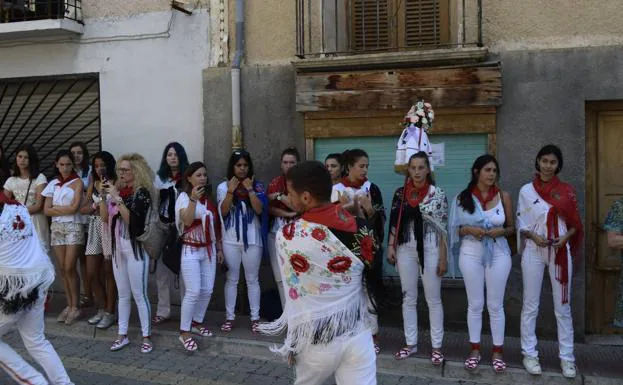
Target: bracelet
<point>193,200</point>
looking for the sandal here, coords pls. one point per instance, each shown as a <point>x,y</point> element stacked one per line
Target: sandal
<point>498,365</point>
<point>377,349</point>
<point>436,357</point>
<point>254,326</point>
<point>227,326</point>
<point>146,346</point>
<point>157,320</point>
<point>189,343</point>
<point>471,363</point>
<point>403,353</point>
<point>119,343</point>
<point>199,330</point>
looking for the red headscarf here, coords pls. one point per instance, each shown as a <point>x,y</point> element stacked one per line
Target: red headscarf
<point>562,198</point>
<point>356,184</point>
<point>413,195</point>
<point>332,216</point>
<point>493,191</point>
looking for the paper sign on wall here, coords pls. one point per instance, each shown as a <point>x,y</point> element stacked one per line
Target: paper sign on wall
<point>439,154</point>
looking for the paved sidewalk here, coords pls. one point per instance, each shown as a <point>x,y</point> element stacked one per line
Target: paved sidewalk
<point>596,364</point>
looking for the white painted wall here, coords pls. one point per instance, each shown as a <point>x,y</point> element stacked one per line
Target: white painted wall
<point>150,76</point>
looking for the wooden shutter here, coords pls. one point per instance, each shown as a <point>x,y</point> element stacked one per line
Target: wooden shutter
<point>426,22</point>
<point>371,27</point>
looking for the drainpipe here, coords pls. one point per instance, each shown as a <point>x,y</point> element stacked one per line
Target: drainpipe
<point>236,130</point>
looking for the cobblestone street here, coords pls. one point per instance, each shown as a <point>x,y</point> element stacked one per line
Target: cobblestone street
<point>89,362</point>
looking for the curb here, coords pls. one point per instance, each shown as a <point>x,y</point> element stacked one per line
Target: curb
<point>386,364</point>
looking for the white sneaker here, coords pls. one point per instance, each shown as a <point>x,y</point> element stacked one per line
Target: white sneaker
<point>96,318</point>
<point>568,369</point>
<point>107,321</point>
<point>532,365</point>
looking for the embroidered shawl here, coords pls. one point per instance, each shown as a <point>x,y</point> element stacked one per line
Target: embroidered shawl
<point>323,281</point>
<point>460,217</point>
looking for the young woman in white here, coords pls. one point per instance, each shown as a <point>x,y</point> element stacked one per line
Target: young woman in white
<point>198,224</point>
<point>418,246</point>
<point>82,167</point>
<point>280,211</point>
<point>243,208</point>
<point>550,231</point>
<point>168,183</point>
<point>126,214</point>
<point>480,219</point>
<point>26,186</point>
<point>64,195</point>
<point>99,249</point>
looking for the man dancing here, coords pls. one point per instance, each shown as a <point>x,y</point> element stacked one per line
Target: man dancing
<point>26,273</point>
<point>324,257</point>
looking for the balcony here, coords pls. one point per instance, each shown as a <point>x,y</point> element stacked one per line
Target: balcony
<point>345,33</point>
<point>25,19</point>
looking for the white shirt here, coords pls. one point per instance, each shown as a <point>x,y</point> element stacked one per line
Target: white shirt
<point>17,186</point>
<point>229,234</point>
<point>349,191</point>
<point>201,212</point>
<point>62,196</point>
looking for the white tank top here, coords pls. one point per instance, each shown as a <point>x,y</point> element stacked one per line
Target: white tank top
<point>496,214</point>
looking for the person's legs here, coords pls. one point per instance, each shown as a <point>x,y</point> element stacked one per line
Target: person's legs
<point>191,274</point>
<point>94,273</point>
<point>409,270</point>
<point>470,263</point>
<point>532,268</point>
<point>358,362</point>
<point>111,287</point>
<point>164,278</point>
<point>432,292</point>
<point>71,256</point>
<point>251,260</point>
<point>233,259</point>
<point>317,363</point>
<point>274,264</point>
<point>138,271</point>
<point>564,320</point>
<point>124,291</point>
<point>496,276</point>
<point>31,329</point>
<point>207,269</point>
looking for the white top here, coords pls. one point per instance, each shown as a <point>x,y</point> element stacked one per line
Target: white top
<point>496,214</point>
<point>201,212</point>
<point>254,236</point>
<point>349,191</point>
<point>62,196</point>
<point>85,179</point>
<point>17,186</point>
<point>159,184</point>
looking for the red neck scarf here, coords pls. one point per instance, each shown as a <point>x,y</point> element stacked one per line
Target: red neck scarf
<point>126,192</point>
<point>413,195</point>
<point>176,178</point>
<point>356,184</point>
<point>278,185</point>
<point>63,181</point>
<point>199,223</point>
<point>241,192</point>
<point>332,216</point>
<point>493,192</point>
<point>564,204</point>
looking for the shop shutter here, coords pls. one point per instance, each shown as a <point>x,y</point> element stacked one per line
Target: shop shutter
<point>460,153</point>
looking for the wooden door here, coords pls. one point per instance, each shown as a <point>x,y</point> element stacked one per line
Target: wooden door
<point>606,185</point>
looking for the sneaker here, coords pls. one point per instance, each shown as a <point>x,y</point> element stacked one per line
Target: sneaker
<point>73,316</point>
<point>96,318</point>
<point>532,365</point>
<point>63,316</point>
<point>568,369</point>
<point>119,343</point>
<point>107,321</point>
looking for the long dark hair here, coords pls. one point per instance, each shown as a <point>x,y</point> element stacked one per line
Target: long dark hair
<point>59,155</point>
<point>4,167</point>
<point>84,165</point>
<point>465,197</point>
<point>234,158</point>
<point>109,162</point>
<point>164,171</point>
<point>550,149</point>
<point>192,168</point>
<point>33,161</point>
<point>350,157</point>
<point>423,155</point>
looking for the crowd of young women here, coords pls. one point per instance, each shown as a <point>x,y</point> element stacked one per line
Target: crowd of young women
<point>107,205</point>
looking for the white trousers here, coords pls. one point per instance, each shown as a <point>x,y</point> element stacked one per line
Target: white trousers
<point>30,325</point>
<point>408,266</point>
<point>532,267</point>
<point>353,361</point>
<point>131,278</point>
<point>198,273</point>
<point>274,264</point>
<point>477,277</point>
<point>250,259</point>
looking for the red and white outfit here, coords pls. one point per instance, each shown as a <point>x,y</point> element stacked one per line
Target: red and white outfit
<point>548,210</point>
<point>198,263</point>
<point>26,273</point>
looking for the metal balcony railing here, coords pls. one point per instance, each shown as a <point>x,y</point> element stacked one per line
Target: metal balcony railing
<point>12,11</point>
<point>347,27</point>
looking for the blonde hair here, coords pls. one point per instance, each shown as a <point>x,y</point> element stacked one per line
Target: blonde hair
<point>143,174</point>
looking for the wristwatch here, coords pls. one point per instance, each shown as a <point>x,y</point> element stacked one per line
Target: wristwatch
<point>279,196</point>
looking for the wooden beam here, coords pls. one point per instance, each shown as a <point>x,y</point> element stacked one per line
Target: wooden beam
<point>309,148</point>
<point>399,98</point>
<point>391,126</point>
<point>492,144</point>
<point>397,114</point>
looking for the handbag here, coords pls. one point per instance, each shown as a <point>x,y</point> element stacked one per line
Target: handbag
<point>172,251</point>
<point>154,237</point>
